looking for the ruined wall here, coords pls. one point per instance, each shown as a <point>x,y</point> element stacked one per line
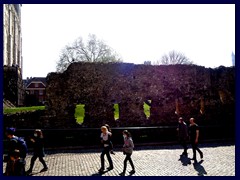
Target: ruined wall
<point>184,89</point>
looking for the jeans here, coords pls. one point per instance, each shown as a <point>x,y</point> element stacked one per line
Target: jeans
<point>195,148</point>
<point>128,158</point>
<point>106,150</point>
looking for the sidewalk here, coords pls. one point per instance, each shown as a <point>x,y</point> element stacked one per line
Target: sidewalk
<point>218,160</point>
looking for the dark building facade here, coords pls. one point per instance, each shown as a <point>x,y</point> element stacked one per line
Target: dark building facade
<point>35,89</point>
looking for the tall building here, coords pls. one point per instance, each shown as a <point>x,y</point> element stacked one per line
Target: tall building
<point>12,52</point>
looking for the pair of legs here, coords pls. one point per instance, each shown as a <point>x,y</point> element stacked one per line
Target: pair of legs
<point>106,151</point>
<point>196,149</point>
<point>33,159</point>
<point>128,158</point>
<point>183,142</point>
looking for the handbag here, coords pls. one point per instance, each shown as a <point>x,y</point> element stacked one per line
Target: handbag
<point>127,150</point>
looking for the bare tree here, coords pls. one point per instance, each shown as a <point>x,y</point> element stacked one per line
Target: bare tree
<point>173,57</point>
<point>94,50</point>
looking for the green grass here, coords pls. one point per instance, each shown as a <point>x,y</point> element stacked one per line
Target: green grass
<point>146,110</point>
<point>116,112</point>
<point>79,111</point>
<point>22,109</point>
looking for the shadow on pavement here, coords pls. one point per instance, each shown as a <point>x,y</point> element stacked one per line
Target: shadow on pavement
<point>31,174</point>
<point>97,174</point>
<point>100,173</point>
<point>199,168</point>
<point>185,160</point>
<point>130,174</point>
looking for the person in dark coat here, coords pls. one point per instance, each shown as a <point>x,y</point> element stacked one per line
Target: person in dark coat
<point>12,146</point>
<point>194,136</point>
<point>105,141</point>
<point>38,150</point>
<point>182,134</point>
<point>110,143</point>
<point>16,165</point>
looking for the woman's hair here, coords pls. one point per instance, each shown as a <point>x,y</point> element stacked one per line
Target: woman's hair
<point>127,133</point>
<point>108,127</point>
<point>104,127</point>
<point>39,133</point>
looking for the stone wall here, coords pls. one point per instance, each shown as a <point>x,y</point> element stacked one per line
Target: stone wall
<point>13,90</point>
<point>191,91</point>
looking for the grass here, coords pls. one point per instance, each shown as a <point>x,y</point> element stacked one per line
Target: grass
<point>146,110</point>
<point>22,109</point>
<point>79,111</point>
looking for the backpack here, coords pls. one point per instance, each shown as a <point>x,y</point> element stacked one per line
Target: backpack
<point>21,145</point>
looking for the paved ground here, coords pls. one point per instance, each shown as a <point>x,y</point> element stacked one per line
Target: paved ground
<point>218,160</point>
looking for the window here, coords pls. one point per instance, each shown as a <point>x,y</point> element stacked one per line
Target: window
<point>36,85</point>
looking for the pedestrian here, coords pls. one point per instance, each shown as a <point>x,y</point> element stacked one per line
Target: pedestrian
<point>194,137</point>
<point>182,130</point>
<point>127,151</point>
<point>16,165</point>
<point>110,143</point>
<point>105,141</point>
<point>38,150</point>
<point>15,143</point>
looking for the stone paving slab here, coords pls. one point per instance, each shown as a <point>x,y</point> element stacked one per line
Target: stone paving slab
<point>218,160</point>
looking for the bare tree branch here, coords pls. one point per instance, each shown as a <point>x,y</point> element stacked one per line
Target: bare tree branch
<point>173,57</point>
<point>93,50</point>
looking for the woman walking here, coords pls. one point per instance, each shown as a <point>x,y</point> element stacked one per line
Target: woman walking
<point>16,166</point>
<point>127,151</point>
<point>105,141</point>
<point>38,150</point>
<point>110,142</point>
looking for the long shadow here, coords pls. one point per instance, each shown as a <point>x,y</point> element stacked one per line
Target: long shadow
<point>185,160</point>
<point>32,174</point>
<point>130,174</point>
<point>100,173</point>
<point>199,168</point>
<point>97,174</point>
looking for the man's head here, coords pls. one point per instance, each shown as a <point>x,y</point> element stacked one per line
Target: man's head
<point>10,132</point>
<point>191,120</point>
<point>180,120</point>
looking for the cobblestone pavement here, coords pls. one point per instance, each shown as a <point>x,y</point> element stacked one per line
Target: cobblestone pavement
<point>218,160</point>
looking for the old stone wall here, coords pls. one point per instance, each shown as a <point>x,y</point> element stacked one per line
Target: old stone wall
<point>173,90</point>
<point>13,90</point>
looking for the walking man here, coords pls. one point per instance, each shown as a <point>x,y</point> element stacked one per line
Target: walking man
<point>182,135</point>
<point>194,136</point>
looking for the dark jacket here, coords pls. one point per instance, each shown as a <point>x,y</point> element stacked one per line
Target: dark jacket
<point>15,168</point>
<point>182,131</point>
<point>38,147</point>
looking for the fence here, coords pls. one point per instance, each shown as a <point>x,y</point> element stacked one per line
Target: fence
<point>90,137</point>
